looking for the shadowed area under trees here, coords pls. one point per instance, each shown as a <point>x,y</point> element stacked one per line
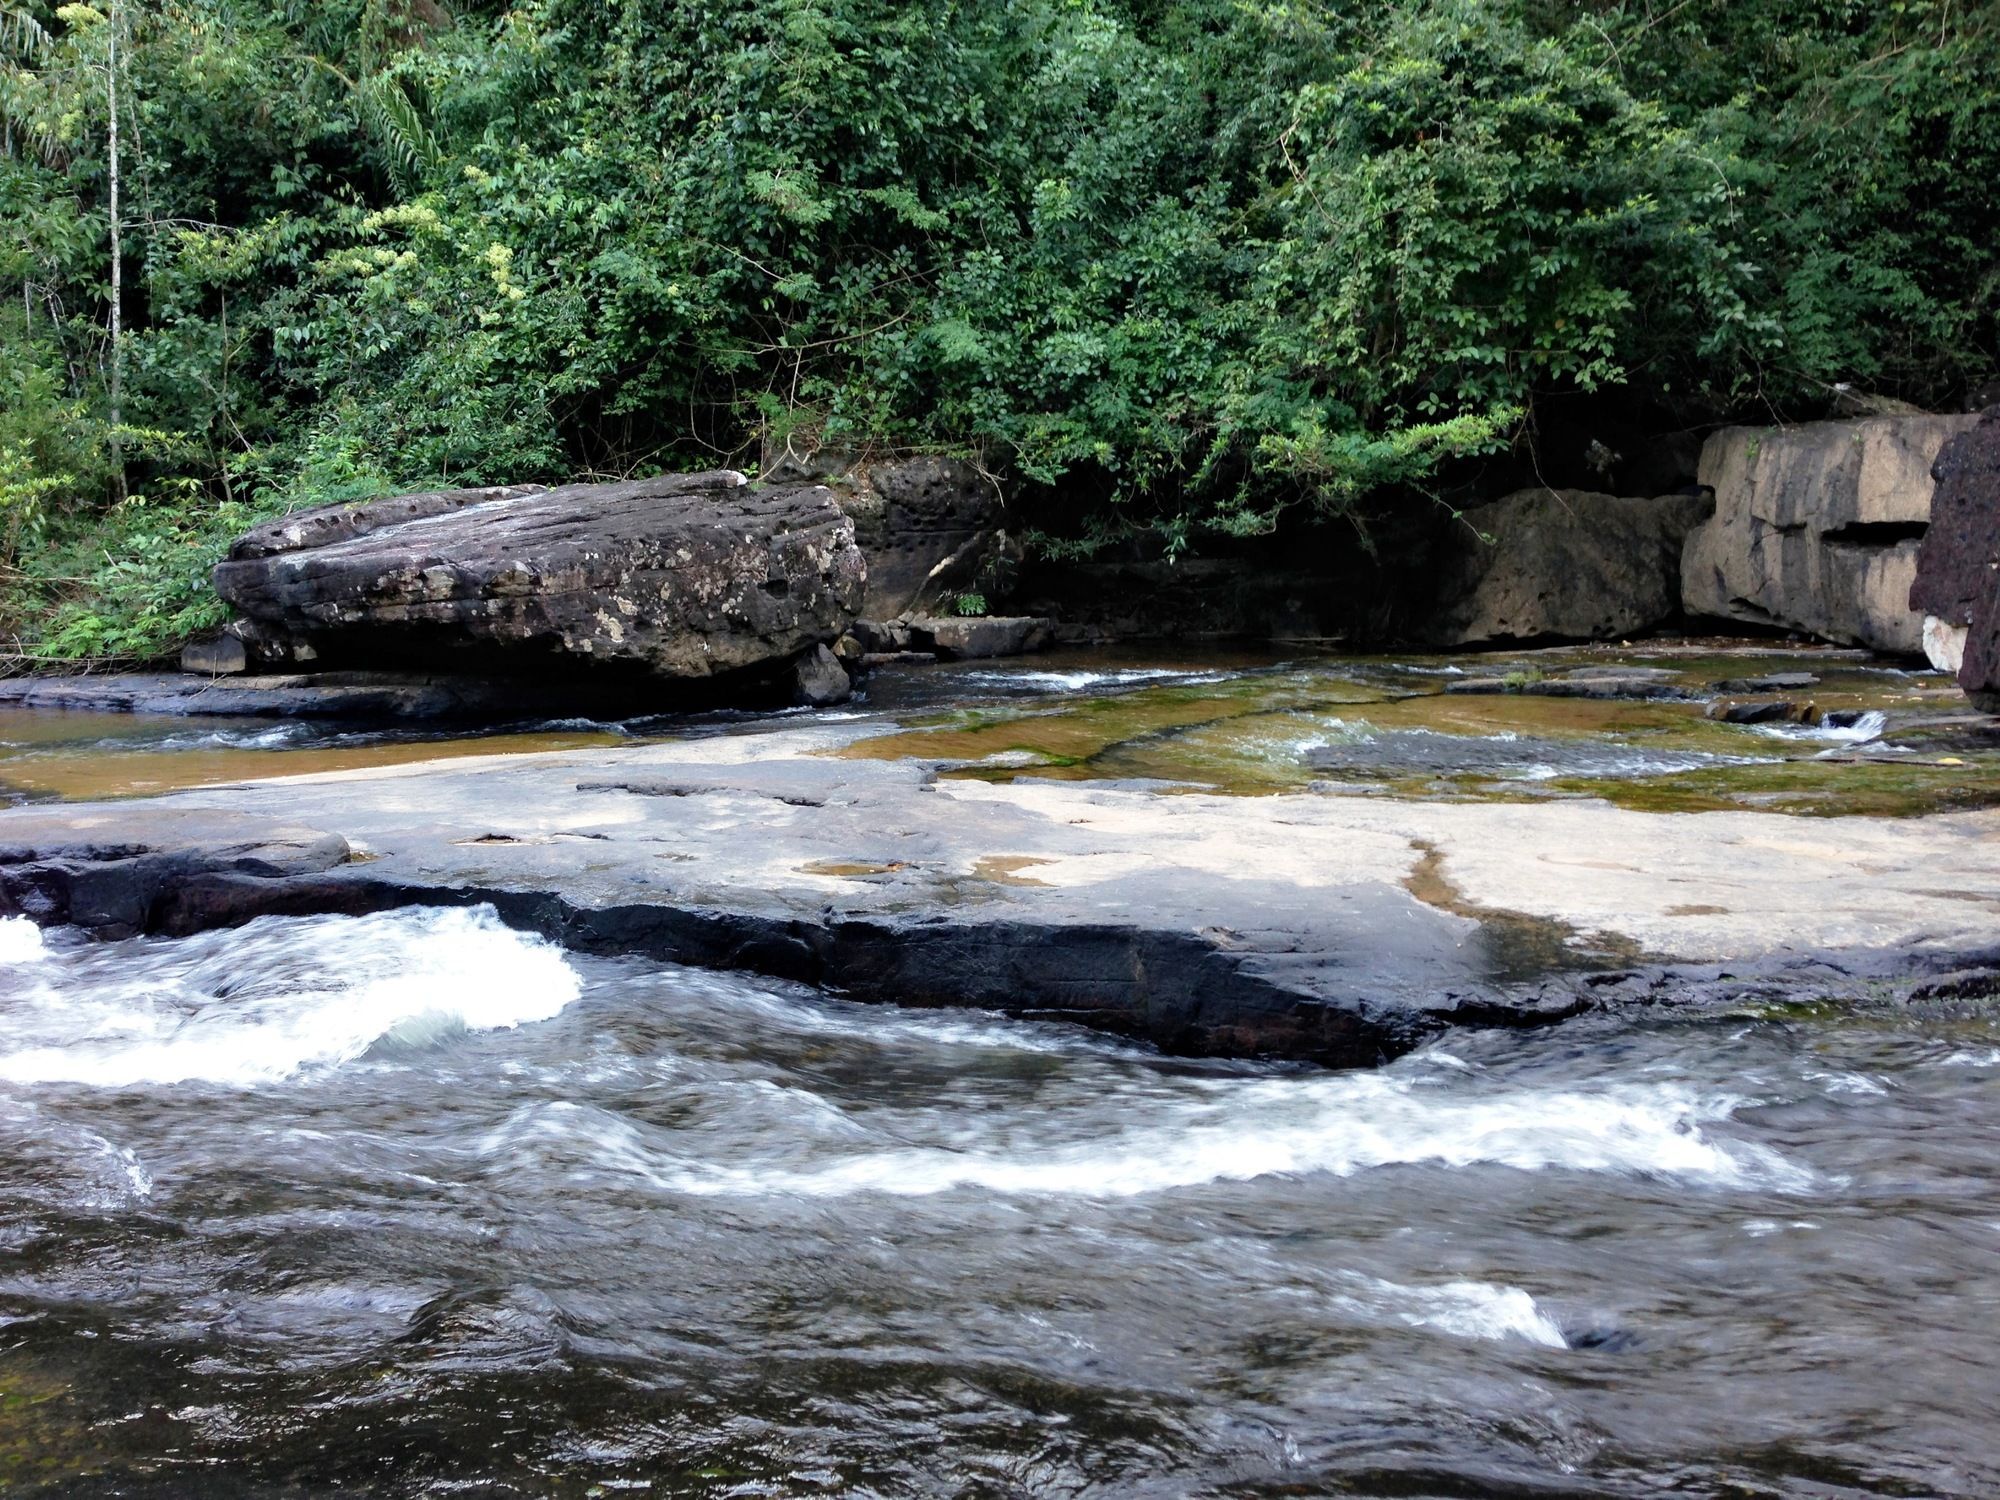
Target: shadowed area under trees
<point>1173,267</point>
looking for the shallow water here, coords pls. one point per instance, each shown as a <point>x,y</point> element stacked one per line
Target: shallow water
<point>1875,737</point>
<point>414,1204</point>
<point>56,753</point>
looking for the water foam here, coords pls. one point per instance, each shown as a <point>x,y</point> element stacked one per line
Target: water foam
<point>1865,727</point>
<point>21,941</point>
<point>287,995</point>
<point>1207,1131</point>
<point>1081,679</point>
<point>1468,1309</point>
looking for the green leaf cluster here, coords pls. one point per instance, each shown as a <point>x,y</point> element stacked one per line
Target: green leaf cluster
<point>1182,265</point>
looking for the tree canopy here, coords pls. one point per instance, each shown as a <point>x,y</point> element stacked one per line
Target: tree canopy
<point>1184,265</point>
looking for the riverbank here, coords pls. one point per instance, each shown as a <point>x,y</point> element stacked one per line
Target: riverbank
<point>1331,859</point>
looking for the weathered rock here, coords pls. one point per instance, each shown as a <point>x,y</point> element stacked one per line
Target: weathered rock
<point>223,656</point>
<point>878,636</point>
<point>1562,565</point>
<point>687,577</point>
<point>979,636</point>
<point>820,679</point>
<point>1772,682</point>
<point>1762,711</point>
<point>1341,929</point>
<point>1957,579</point>
<point>929,527</point>
<point>1816,527</point>
<point>114,874</point>
<point>1602,683</point>
<point>270,649</point>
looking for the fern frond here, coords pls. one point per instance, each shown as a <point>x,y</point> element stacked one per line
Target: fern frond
<point>400,125</point>
<point>22,36</point>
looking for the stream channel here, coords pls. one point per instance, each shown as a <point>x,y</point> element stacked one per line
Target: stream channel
<point>415,1204</point>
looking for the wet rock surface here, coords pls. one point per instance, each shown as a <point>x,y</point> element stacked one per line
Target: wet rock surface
<point>1958,565</point>
<point>1562,565</point>
<point>980,637</point>
<point>684,577</point>
<point>1816,527</point>
<point>1607,684</point>
<point>1343,919</point>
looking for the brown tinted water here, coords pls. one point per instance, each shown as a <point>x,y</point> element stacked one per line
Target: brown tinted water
<point>87,756</point>
<point>1238,722</point>
<point>1381,725</point>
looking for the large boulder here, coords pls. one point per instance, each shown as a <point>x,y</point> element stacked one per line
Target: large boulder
<point>1957,587</point>
<point>1561,565</point>
<point>1816,527</point>
<point>689,576</point>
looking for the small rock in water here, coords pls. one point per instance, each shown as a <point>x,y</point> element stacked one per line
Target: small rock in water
<point>1589,682</point>
<point>1761,711</point>
<point>223,656</point>
<point>879,637</point>
<point>1603,1339</point>
<point>1618,674</point>
<point>980,636</point>
<point>1775,682</point>
<point>822,680</point>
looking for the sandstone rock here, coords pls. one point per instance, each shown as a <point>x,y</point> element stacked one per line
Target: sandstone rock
<point>688,576</point>
<point>1606,684</point>
<point>978,636</point>
<point>1957,578</point>
<point>1771,682</point>
<point>1944,643</point>
<point>1816,527</point>
<point>1762,711</point>
<point>878,636</point>
<point>820,679</point>
<point>929,527</point>
<point>222,657</point>
<point>1562,565</point>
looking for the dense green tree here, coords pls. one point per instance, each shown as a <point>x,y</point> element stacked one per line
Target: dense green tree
<point>1175,264</point>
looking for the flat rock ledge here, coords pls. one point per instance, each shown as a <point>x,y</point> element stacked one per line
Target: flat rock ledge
<point>1330,930</point>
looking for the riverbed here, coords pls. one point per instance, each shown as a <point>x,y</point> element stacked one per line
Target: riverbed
<point>415,1202</point>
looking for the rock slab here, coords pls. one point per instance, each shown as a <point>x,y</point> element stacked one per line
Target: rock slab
<point>1546,565</point>
<point>685,577</point>
<point>932,528</point>
<point>1816,527</point>
<point>1957,584</point>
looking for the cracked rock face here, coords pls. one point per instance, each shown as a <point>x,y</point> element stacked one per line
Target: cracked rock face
<point>688,576</point>
<point>1562,565</point>
<point>1816,527</point>
<point>1957,584</point>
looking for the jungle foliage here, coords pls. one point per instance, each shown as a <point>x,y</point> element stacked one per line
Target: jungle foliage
<point>1189,263</point>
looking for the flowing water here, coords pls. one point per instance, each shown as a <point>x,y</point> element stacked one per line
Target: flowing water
<point>412,1204</point>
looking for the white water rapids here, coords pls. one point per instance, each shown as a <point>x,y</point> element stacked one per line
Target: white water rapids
<point>417,1193</point>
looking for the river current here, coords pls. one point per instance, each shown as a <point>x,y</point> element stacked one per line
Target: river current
<point>414,1204</point>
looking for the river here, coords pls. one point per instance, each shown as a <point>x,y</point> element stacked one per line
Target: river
<point>416,1204</point>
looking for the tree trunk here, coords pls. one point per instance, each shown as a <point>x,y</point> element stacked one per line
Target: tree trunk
<point>117,381</point>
